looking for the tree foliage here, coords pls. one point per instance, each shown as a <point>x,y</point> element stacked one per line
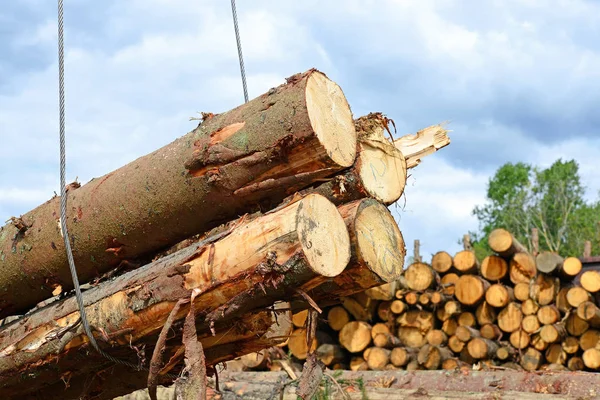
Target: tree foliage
<point>521,197</point>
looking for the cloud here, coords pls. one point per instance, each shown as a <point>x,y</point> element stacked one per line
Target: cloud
<point>518,80</point>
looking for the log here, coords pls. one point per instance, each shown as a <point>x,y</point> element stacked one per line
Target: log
<point>355,336</point>
<point>384,312</point>
<point>553,333</point>
<point>384,292</point>
<point>466,333</point>
<point>386,340</point>
<point>502,242</point>
<point>522,268</point>
<point>423,143</point>
<point>521,291</point>
<point>411,337</point>
<point>588,311</point>
<point>298,346</point>
<point>337,317</point>
<point>485,314</point>
<point>449,326</point>
<point>590,280</point>
<point>455,344</point>
<point>420,276</point>
<point>378,358</point>
<point>441,262</point>
<point>358,364</point>
<point>299,318</point>
<point>422,320</point>
<point>494,268</point>
<point>490,331</point>
<point>470,289</point>
<point>571,267</point>
<point>529,307</point>
<point>530,323</point>
<point>379,328</point>
<point>499,295</point>
<point>480,348</point>
<point>436,337</point>
<point>438,298</point>
<point>378,252</point>
<point>452,308</point>
<point>260,150</point>
<point>591,359</point>
<point>431,357</point>
<point>532,359</point>
<point>330,354</point>
<point>400,356</point>
<point>570,345</point>
<point>505,353</point>
<point>543,289</point>
<point>575,325</point>
<point>538,343</point>
<point>250,265</point>
<point>577,295</point>
<point>589,339</point>
<point>466,319</point>
<point>411,298</point>
<point>360,306</point>
<point>465,262</point>
<point>561,300</point>
<point>519,339</point>
<point>454,363</point>
<point>548,315</point>
<point>575,364</point>
<point>549,263</point>
<point>510,318</point>
<point>448,283</point>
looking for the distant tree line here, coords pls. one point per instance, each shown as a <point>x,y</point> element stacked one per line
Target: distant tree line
<point>521,197</point>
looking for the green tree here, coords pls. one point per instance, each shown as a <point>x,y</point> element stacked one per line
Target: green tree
<point>521,197</point>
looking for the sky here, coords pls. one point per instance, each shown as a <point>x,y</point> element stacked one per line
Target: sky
<point>517,81</point>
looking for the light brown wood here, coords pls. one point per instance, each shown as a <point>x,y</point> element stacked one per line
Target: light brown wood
<point>494,268</point>
<point>577,295</point>
<point>532,359</point>
<point>538,343</point>
<point>485,314</point>
<point>439,298</point>
<point>455,344</point>
<point>432,357</point>
<point>298,346</point>
<point>548,262</point>
<point>355,336</point>
<point>398,307</point>
<point>561,300</point>
<point>337,317</point>
<point>522,268</point>
<point>571,267</point>
<point>441,262</point>
<point>490,331</point>
<point>591,358</point>
<point>587,248</point>
<point>413,365</point>
<point>330,354</point>
<point>360,306</point>
<point>588,311</point>
<point>382,292</point>
<point>590,280</point>
<point>510,318</point>
<point>422,320</point>
<point>466,319</point>
<point>386,340</point>
<point>452,308</point>
<point>521,291</point>
<point>454,363</point>
<point>589,339</point>
<point>358,364</point>
<point>529,307</point>
<point>449,326</point>
<point>299,318</point>
<point>530,323</point>
<point>505,352</point>
<point>553,333</point>
<point>426,141</point>
<point>543,289</point>
<point>425,299</point>
<point>400,356</point>
<point>384,312</point>
<point>575,364</point>
<point>448,282</point>
<point>378,328</point>
<point>519,339</point>
<point>420,276</point>
<point>570,345</point>
<point>466,333</point>
<point>499,295</point>
<point>255,360</point>
<point>548,315</point>
<point>436,337</point>
<point>575,325</point>
<point>378,358</point>
<point>411,337</point>
<point>411,298</point>
<point>470,289</point>
<point>481,348</point>
<point>502,242</point>
<point>465,262</point>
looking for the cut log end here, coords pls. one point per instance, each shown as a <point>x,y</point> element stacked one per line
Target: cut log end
<point>323,234</point>
<point>522,268</point>
<point>494,268</point>
<point>419,276</point>
<point>470,289</point>
<point>379,240</point>
<point>441,262</point>
<point>335,130</point>
<point>355,336</point>
<point>502,242</point>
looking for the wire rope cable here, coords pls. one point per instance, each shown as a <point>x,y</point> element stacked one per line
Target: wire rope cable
<point>239,48</point>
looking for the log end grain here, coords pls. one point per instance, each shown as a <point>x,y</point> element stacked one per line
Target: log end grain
<point>355,336</point>
<point>494,268</point>
<point>470,289</point>
<point>441,262</point>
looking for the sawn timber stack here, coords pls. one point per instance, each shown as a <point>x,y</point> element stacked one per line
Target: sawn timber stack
<point>262,210</point>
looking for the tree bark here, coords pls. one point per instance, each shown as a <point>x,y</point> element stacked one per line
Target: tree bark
<point>268,148</point>
<point>249,266</point>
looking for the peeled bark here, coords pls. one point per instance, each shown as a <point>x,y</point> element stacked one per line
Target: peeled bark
<point>249,266</point>
<point>283,140</point>
<point>424,142</point>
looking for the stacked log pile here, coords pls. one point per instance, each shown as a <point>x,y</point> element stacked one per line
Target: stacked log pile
<point>199,252</point>
<point>512,310</point>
